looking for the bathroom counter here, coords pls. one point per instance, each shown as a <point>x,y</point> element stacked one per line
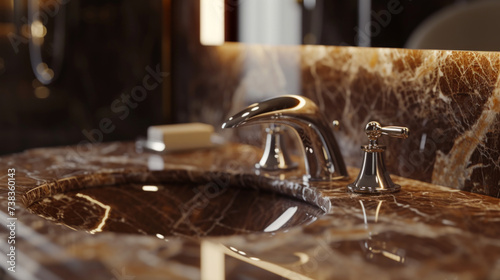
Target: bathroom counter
<point>423,232</point>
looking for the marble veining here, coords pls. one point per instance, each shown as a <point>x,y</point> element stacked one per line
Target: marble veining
<point>173,203</point>
<point>424,231</point>
<point>449,100</point>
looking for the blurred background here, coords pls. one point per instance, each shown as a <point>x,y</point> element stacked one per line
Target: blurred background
<point>64,76</point>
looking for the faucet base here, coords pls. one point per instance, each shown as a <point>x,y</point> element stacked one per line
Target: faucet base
<point>322,157</point>
<point>373,177</point>
<point>373,190</point>
<point>275,157</point>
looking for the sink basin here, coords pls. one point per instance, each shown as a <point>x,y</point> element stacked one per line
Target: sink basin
<point>176,203</point>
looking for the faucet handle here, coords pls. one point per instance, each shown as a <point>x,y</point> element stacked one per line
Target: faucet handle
<point>373,177</point>
<point>374,130</point>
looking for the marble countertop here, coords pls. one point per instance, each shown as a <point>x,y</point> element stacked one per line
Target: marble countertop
<point>423,232</point>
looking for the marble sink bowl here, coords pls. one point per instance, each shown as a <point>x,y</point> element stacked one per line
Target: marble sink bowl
<point>175,203</point>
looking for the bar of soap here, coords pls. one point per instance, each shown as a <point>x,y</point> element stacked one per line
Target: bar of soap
<point>184,136</point>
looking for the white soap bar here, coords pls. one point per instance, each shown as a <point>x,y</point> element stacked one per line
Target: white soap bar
<point>181,136</point>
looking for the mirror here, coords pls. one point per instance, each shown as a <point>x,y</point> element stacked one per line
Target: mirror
<point>429,24</point>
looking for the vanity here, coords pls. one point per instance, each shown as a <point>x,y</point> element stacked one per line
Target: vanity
<point>211,216</point>
<point>113,210</point>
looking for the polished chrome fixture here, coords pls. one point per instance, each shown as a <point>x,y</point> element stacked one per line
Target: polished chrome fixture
<point>373,178</point>
<point>275,157</point>
<point>323,159</point>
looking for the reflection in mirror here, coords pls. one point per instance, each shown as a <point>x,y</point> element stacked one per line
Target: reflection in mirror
<point>435,24</point>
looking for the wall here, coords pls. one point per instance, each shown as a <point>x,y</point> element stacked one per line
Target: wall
<point>450,100</point>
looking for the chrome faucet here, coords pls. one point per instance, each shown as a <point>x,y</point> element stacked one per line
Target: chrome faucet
<point>323,159</point>
<point>373,178</point>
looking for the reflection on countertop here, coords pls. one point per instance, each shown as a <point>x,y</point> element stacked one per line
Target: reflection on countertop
<point>205,206</point>
<point>423,232</point>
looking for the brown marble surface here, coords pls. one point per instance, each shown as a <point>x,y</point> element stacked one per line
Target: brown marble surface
<point>174,203</point>
<point>423,232</point>
<point>450,100</point>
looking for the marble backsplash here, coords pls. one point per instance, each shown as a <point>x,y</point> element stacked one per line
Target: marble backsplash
<point>450,100</point>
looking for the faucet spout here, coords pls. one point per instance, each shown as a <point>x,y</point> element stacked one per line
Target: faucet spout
<point>323,159</point>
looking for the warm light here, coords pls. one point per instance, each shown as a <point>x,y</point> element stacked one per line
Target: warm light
<point>42,92</point>
<point>212,22</point>
<point>38,30</point>
<point>160,236</point>
<point>150,189</point>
